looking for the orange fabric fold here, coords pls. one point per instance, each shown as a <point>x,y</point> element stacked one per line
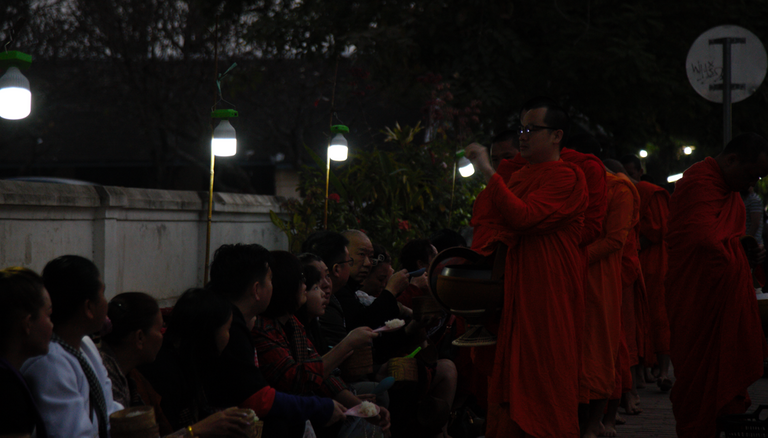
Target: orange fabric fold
<point>541,209</point>
<point>717,344</point>
<point>654,212</point>
<point>603,295</point>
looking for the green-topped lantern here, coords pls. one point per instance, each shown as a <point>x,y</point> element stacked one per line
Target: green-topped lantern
<point>224,141</point>
<point>338,150</point>
<point>15,97</point>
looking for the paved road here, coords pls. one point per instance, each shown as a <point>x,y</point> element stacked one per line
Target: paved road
<point>657,419</point>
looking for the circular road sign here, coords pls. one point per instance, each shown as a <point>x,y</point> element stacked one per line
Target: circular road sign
<point>704,63</point>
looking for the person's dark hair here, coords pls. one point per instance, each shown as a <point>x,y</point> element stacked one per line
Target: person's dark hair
<point>235,268</point>
<point>506,135</point>
<point>70,281</point>
<point>311,276</point>
<point>21,294</point>
<point>287,278</point>
<point>191,335</point>
<point>447,238</point>
<point>129,312</point>
<point>329,245</point>
<point>748,147</point>
<point>415,251</point>
<point>631,158</point>
<point>556,116</point>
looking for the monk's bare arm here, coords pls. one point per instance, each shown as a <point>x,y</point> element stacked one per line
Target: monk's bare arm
<point>618,222</point>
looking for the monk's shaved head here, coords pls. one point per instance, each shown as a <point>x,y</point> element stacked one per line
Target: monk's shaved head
<point>614,166</point>
<point>743,161</point>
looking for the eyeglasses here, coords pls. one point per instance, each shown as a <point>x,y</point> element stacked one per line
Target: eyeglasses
<point>349,262</point>
<point>527,129</point>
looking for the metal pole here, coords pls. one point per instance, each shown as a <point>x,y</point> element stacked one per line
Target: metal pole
<point>328,161</point>
<point>727,122</point>
<point>213,157</point>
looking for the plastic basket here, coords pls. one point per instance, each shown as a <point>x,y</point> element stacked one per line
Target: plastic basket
<point>744,425</point>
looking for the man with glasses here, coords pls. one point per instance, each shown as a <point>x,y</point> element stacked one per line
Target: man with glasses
<point>538,213</point>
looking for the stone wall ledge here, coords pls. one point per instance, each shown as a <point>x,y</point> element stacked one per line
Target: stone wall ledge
<point>22,193</point>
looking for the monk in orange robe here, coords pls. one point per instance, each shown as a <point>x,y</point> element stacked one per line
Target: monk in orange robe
<point>717,344</point>
<point>533,390</point>
<point>654,211</point>
<point>603,295</point>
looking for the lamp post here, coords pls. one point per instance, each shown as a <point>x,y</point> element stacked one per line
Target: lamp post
<point>15,97</point>
<point>223,144</point>
<point>338,150</point>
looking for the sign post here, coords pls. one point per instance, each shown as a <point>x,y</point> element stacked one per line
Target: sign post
<point>726,64</point>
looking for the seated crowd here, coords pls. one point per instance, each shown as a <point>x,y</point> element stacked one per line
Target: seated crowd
<point>291,338</point>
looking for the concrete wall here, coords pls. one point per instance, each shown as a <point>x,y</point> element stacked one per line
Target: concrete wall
<point>142,240</point>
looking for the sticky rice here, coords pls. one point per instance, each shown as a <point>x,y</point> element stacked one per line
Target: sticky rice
<point>367,409</point>
<point>394,323</point>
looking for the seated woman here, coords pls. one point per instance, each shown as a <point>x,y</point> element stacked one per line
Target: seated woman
<point>287,358</point>
<point>197,333</point>
<point>25,331</point>
<point>135,340</point>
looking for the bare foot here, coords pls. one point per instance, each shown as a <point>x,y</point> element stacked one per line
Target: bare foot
<point>630,403</point>
<point>649,377</point>
<point>609,430</point>
<point>620,420</point>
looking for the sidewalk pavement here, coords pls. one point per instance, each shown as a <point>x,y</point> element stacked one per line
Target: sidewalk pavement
<point>657,419</point>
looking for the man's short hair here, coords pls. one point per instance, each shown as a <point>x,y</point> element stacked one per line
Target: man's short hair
<point>631,158</point>
<point>70,281</point>
<point>506,135</point>
<point>235,268</point>
<point>415,251</point>
<point>447,238</point>
<point>21,294</point>
<point>328,245</point>
<point>287,278</point>
<point>748,147</point>
<point>556,116</point>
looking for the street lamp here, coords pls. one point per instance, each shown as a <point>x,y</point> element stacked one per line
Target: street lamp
<point>643,153</point>
<point>15,97</point>
<point>466,169</point>
<point>688,150</point>
<point>338,150</point>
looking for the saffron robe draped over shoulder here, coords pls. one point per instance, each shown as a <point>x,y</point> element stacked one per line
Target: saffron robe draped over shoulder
<point>654,212</point>
<point>634,304</point>
<point>541,209</point>
<point>603,293</point>
<point>717,344</point>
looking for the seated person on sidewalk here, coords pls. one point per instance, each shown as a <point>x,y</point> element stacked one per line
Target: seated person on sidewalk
<point>25,331</point>
<point>197,333</point>
<point>242,275</point>
<point>376,281</point>
<point>70,384</point>
<point>315,270</point>
<point>286,357</point>
<point>331,247</point>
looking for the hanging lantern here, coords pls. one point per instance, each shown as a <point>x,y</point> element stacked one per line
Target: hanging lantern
<point>466,169</point>
<point>224,141</point>
<point>338,150</point>
<point>15,96</point>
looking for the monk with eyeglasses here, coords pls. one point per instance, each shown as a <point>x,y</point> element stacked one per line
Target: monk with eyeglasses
<point>538,212</point>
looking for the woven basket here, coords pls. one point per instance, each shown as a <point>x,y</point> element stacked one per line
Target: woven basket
<point>403,369</point>
<point>135,422</point>
<point>359,363</point>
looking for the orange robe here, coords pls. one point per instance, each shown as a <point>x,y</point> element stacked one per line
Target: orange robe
<point>654,211</point>
<point>603,293</point>
<point>541,209</point>
<point>634,304</point>
<point>717,344</point>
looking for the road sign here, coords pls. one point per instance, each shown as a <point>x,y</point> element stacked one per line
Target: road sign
<point>704,63</point>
